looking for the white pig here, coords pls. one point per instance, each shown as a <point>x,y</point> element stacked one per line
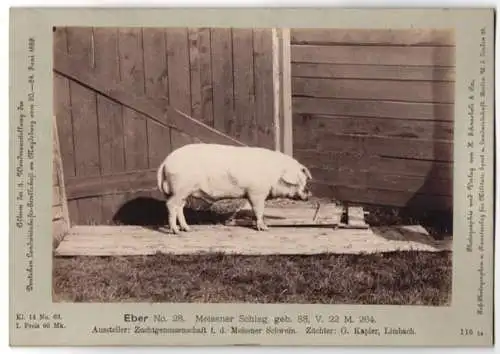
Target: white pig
<point>213,172</point>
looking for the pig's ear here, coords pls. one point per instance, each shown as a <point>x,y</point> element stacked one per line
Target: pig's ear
<point>306,171</point>
<point>290,176</point>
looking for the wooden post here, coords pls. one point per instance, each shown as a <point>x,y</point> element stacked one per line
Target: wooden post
<point>346,211</point>
<point>282,90</point>
<point>286,93</point>
<point>60,215</point>
<point>276,89</point>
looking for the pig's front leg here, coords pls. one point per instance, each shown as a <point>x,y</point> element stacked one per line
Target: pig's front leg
<point>258,204</point>
<point>182,219</point>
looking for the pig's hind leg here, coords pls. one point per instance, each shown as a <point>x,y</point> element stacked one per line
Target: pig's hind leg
<point>173,206</point>
<point>182,219</point>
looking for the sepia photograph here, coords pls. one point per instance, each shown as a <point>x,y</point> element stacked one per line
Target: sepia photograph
<point>253,165</point>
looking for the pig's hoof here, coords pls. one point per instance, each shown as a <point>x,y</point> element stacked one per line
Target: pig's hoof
<point>175,230</point>
<point>185,228</point>
<point>262,227</point>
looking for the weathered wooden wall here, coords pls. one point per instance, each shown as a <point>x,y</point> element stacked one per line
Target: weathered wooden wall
<point>373,114</point>
<point>60,217</point>
<point>223,77</point>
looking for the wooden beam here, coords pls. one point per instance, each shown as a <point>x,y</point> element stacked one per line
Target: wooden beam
<point>379,197</point>
<point>374,108</point>
<point>374,55</point>
<point>118,183</point>
<point>391,37</point>
<point>374,72</point>
<point>389,128</point>
<point>352,159</point>
<point>385,90</point>
<point>157,110</point>
<point>419,149</point>
<point>356,217</point>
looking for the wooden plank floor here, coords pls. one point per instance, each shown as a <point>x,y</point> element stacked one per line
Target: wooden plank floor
<point>295,228</point>
<point>136,240</point>
<point>291,214</point>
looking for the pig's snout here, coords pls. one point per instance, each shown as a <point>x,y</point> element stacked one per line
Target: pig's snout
<point>304,194</point>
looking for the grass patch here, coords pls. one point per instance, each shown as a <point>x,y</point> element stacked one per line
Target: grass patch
<point>398,278</point>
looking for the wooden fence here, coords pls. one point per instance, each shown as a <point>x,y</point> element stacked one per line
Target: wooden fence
<point>112,88</point>
<point>372,109</point>
<point>373,114</point>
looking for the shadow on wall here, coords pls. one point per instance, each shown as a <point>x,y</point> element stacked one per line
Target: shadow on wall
<point>436,214</point>
<point>431,206</point>
<point>148,211</point>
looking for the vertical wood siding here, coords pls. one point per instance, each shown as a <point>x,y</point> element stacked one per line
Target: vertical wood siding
<point>221,77</point>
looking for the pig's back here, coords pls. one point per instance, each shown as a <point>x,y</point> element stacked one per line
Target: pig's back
<point>215,159</point>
